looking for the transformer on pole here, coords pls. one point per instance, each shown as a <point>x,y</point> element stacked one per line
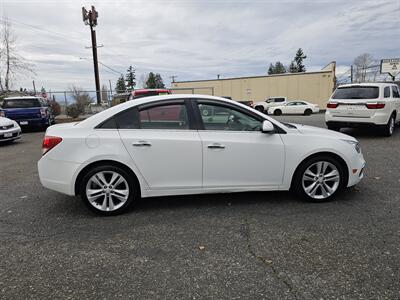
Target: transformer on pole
<point>90,18</point>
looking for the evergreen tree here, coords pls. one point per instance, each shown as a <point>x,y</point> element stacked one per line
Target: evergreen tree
<point>271,69</point>
<point>292,67</point>
<point>120,87</point>
<point>130,79</point>
<point>300,56</point>
<point>151,81</point>
<point>159,82</point>
<point>278,68</point>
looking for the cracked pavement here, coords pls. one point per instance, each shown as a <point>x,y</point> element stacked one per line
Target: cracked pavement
<point>229,246</point>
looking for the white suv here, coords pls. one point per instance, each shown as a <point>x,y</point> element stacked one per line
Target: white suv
<point>362,104</point>
<point>270,102</point>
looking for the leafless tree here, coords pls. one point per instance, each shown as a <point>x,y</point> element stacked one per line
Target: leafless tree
<point>366,68</point>
<point>81,97</point>
<point>12,64</point>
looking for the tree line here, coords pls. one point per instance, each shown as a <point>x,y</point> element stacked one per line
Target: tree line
<point>296,65</point>
<point>127,83</point>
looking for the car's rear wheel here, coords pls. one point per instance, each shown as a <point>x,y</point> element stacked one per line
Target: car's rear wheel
<point>108,190</point>
<point>259,108</point>
<point>307,112</point>
<point>319,179</point>
<point>277,112</point>
<point>333,127</point>
<point>388,129</point>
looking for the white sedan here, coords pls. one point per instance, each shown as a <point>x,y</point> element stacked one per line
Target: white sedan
<point>192,144</point>
<point>9,130</point>
<point>294,107</point>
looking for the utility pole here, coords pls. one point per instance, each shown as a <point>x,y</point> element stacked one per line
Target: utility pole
<point>111,93</point>
<point>351,74</point>
<point>34,87</point>
<point>173,78</point>
<point>90,18</point>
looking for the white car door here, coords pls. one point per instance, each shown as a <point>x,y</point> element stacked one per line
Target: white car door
<point>235,151</point>
<point>289,108</point>
<point>163,144</point>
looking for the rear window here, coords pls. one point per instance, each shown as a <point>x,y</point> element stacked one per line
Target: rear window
<point>356,92</point>
<point>21,103</point>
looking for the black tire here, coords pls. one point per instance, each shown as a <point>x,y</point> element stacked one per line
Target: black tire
<point>134,194</point>
<point>259,108</point>
<point>297,182</point>
<point>333,127</point>
<point>277,112</point>
<point>307,112</point>
<point>388,129</point>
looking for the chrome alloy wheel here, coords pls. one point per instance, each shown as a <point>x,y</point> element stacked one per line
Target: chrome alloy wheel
<point>107,190</point>
<point>391,125</point>
<point>321,180</point>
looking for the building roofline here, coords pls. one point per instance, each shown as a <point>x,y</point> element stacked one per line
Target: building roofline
<point>261,76</point>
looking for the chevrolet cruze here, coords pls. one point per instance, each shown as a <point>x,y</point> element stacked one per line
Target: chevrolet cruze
<point>192,144</point>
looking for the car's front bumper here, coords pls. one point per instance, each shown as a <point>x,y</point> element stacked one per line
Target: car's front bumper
<point>356,169</point>
<point>15,133</point>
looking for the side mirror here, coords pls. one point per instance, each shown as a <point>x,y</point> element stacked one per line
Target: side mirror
<point>267,127</point>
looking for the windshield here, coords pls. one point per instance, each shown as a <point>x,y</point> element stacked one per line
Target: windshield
<point>356,92</point>
<point>21,103</point>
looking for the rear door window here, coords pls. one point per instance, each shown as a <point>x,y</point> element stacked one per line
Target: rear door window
<point>170,116</point>
<point>356,92</point>
<point>395,92</point>
<point>386,92</point>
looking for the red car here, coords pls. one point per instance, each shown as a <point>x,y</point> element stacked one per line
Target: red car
<point>148,92</point>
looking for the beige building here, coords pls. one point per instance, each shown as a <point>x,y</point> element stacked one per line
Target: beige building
<point>315,87</point>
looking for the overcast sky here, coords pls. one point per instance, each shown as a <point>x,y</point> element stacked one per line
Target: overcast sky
<point>196,39</point>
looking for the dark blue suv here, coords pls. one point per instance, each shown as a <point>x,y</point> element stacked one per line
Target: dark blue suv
<point>28,111</point>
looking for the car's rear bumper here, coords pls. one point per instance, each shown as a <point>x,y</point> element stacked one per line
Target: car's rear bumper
<point>378,118</point>
<point>32,122</point>
<point>58,175</point>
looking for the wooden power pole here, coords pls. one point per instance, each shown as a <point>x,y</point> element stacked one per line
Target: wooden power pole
<point>90,18</point>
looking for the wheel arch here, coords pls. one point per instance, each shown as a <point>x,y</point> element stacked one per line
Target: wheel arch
<point>92,165</point>
<point>323,153</point>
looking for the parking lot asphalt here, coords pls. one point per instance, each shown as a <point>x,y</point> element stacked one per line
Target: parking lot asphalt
<point>266,245</point>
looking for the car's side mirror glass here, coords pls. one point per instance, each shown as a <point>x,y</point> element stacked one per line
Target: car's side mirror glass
<point>267,127</point>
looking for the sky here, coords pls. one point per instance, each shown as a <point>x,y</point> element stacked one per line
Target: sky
<point>195,39</point>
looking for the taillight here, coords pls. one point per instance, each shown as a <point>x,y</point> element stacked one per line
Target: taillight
<point>375,105</point>
<point>43,113</point>
<point>332,105</point>
<point>251,103</point>
<point>49,142</point>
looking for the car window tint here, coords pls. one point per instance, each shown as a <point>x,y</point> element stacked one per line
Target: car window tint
<point>356,92</point>
<point>386,92</point>
<point>173,116</point>
<point>279,99</point>
<point>21,103</point>
<point>217,117</point>
<point>128,119</point>
<point>109,124</point>
<point>395,92</point>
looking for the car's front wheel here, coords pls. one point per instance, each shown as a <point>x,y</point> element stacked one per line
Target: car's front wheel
<point>277,112</point>
<point>108,190</point>
<point>319,179</point>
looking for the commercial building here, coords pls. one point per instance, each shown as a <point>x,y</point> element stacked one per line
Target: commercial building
<point>315,87</point>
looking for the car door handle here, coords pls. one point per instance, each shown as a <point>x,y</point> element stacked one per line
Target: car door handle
<point>216,146</point>
<point>141,144</point>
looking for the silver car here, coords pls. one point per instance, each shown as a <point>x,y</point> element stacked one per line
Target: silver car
<point>9,130</point>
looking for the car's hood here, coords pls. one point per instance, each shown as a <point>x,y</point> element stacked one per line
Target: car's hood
<point>311,130</point>
<point>5,121</point>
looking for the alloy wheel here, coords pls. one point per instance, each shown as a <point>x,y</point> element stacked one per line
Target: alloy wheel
<point>107,191</point>
<point>321,180</point>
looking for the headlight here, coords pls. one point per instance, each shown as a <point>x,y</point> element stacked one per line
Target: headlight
<point>356,145</point>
